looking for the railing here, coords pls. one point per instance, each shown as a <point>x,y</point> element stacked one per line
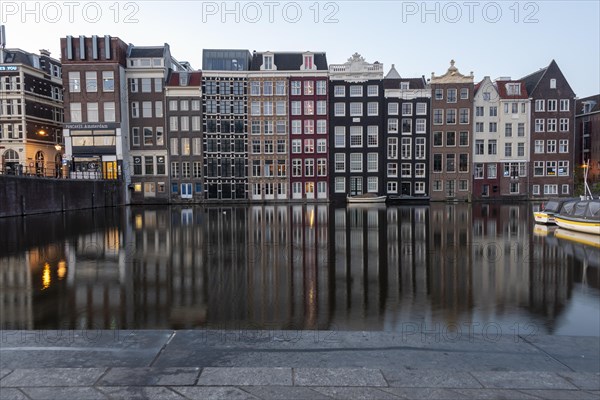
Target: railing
<point>35,172</point>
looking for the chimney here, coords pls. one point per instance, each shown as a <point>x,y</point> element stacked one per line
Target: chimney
<point>44,52</point>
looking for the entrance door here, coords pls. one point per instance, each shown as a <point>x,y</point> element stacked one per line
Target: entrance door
<point>356,185</point>
<point>109,170</point>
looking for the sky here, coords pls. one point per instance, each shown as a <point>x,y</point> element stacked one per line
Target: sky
<point>488,38</point>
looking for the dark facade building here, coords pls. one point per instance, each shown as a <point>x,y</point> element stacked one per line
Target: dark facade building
<point>356,116</point>
<point>147,71</point>
<point>225,126</point>
<point>587,124</point>
<point>452,102</point>
<point>405,149</point>
<point>31,113</point>
<point>308,93</point>
<point>96,120</point>
<point>552,132</point>
<point>183,94</point>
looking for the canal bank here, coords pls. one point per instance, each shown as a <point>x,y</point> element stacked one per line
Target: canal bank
<point>21,195</point>
<point>256,364</point>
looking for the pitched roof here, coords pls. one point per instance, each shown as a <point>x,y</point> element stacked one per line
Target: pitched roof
<point>288,61</point>
<point>194,78</point>
<point>393,74</point>
<point>532,79</point>
<point>590,99</point>
<point>503,90</point>
<point>146,52</point>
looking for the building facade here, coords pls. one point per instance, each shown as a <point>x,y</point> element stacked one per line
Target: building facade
<point>587,124</point>
<point>183,94</point>
<point>356,108</point>
<point>31,113</point>
<point>552,133</point>
<point>96,117</point>
<point>405,144</point>
<point>452,102</point>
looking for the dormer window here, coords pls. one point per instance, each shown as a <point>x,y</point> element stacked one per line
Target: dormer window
<point>183,79</point>
<point>513,89</point>
<point>308,61</point>
<point>404,85</point>
<point>268,62</point>
<point>552,83</point>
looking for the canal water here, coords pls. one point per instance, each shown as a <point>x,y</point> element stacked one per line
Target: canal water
<point>442,269</point>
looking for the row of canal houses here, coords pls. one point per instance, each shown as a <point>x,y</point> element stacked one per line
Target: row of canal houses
<point>267,126</point>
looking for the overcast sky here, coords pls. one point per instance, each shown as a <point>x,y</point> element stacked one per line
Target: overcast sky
<point>490,38</point>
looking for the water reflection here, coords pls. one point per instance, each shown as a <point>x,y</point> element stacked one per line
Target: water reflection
<point>395,268</point>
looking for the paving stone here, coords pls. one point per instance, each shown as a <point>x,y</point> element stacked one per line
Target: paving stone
<point>4,372</point>
<point>150,377</point>
<point>422,393</point>
<point>52,377</point>
<point>246,377</point>
<point>496,394</point>
<point>12,394</point>
<point>580,353</point>
<point>429,379</point>
<point>355,393</point>
<point>523,380</point>
<point>64,393</point>
<point>583,380</point>
<point>285,392</point>
<point>141,393</point>
<point>338,377</point>
<point>214,393</point>
<point>563,394</point>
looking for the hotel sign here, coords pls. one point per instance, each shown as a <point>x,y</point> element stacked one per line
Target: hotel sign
<point>91,126</point>
<point>8,68</point>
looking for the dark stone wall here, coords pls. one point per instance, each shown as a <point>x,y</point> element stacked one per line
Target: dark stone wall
<point>25,196</point>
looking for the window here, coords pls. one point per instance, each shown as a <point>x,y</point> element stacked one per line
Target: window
<point>539,105</point>
<point>521,129</point>
<point>296,167</point>
<point>339,109</point>
<point>147,109</point>
<point>493,111</point>
<point>552,125</point>
<point>392,148</point>
<point>438,116</point>
<point>563,168</point>
<point>268,88</point>
<point>196,123</point>
<point>280,108</point>
<point>479,170</point>
<point>339,91</point>
<point>174,146</point>
<point>148,137</point>
<point>450,162</point>
<point>340,162</point>
<point>149,165</point>
<point>340,136</point>
<point>493,127</point>
<point>439,94</point>
<point>340,185</point>
<point>372,184</point>
<point>356,109</point>
<point>254,88</point>
<point>515,108</point>
<point>539,147</point>
<point>108,81</point>
<point>321,88</point>
<point>296,127</point>
<point>492,170</point>
<point>195,105</point>
<point>309,88</point>
<point>372,90</point>
<point>321,126</point>
<point>437,163</point>
<point>520,149</point>
<point>479,147</point>
<point>563,146</point>
<point>463,162</point>
<point>407,109</point>
<point>538,168</point>
<point>564,104</point>
<point>492,147</point>
<point>479,127</point>
<point>296,88</point>
<point>406,126</point>
<point>267,108</point>
<point>420,170</point>
<point>552,83</point>
<point>564,124</point>
<point>507,149</point>
<point>406,148</point>
<point>551,105</point>
<point>280,88</point>
<point>392,170</point>
<point>321,145</point>
<point>421,109</point>
<point>92,112</point>
<point>373,109</point>
<point>451,139</point>
<point>75,112</point>
<point>256,146</point>
<point>451,116</point>
<point>421,125</point>
<point>464,116</point>
<point>185,124</point>
<point>392,187</point>
<point>392,125</point>
<point>321,167</point>
<point>551,146</point>
<point>185,170</point>
<point>507,130</point>
<point>296,146</point>
<point>438,139</point>
<point>309,107</point>
<point>551,168</point>
<point>321,107</point>
<point>372,136</point>
<point>392,108</point>
<point>137,165</point>
<point>146,85</point>
<point>451,93</point>
<point>91,81</point>
<point>309,127</point>
<point>356,162</point>
<point>372,162</point>
<point>356,91</point>
<point>309,145</point>
<point>254,108</point>
<point>464,93</point>
<point>356,136</point>
<point>158,109</point>
<point>463,139</point>
<point>196,146</point>
<point>74,82</point>
<point>539,125</point>
<point>109,111</point>
<point>135,136</point>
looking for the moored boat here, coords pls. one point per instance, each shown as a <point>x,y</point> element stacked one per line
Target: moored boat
<point>580,215</point>
<point>366,198</point>
<point>546,214</point>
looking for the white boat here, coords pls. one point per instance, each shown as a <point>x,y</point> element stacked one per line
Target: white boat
<point>547,211</point>
<point>580,215</point>
<point>366,198</point>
